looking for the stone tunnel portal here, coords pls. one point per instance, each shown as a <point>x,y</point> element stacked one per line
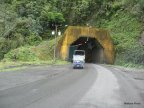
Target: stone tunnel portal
<point>94,52</point>
<point>97,44</point>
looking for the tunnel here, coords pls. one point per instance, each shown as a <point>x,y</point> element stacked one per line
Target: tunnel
<point>96,42</point>
<point>93,49</point>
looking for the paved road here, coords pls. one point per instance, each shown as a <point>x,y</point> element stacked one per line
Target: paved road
<point>96,86</point>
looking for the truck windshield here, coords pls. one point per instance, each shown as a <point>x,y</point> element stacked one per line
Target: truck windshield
<point>79,53</point>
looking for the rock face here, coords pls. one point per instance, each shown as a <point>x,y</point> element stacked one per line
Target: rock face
<point>73,33</point>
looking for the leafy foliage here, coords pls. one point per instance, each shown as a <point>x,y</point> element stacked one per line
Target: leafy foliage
<point>125,30</point>
<point>135,55</point>
<point>125,27</point>
<point>21,54</point>
<point>50,20</point>
<point>29,21</point>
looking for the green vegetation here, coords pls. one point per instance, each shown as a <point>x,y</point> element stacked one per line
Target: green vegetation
<point>125,31</point>
<point>26,25</point>
<point>35,53</point>
<point>22,54</point>
<point>41,54</point>
<point>126,25</point>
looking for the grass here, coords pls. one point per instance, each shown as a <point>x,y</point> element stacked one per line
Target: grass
<point>8,64</point>
<point>125,31</point>
<point>12,69</point>
<point>128,64</point>
<point>41,54</point>
<point>11,66</point>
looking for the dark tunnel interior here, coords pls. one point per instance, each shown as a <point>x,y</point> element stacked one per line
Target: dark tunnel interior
<point>93,49</point>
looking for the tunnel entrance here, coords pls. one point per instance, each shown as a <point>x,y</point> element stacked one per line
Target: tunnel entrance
<point>99,46</point>
<point>94,52</point>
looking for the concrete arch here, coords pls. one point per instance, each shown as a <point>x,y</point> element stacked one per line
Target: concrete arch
<point>102,36</point>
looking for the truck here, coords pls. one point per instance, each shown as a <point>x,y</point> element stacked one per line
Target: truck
<point>78,59</point>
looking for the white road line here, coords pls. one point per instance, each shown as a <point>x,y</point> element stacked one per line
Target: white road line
<point>104,92</point>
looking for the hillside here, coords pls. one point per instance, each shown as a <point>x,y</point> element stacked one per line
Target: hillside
<point>28,23</point>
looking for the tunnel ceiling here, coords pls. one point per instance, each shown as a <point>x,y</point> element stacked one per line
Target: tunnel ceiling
<point>96,42</point>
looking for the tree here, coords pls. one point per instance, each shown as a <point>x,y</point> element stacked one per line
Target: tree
<point>49,19</point>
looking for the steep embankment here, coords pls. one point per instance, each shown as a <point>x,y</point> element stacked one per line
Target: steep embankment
<point>35,55</point>
<point>125,31</point>
<point>126,25</point>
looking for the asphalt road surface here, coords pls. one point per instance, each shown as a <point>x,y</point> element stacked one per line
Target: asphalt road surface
<point>95,86</point>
